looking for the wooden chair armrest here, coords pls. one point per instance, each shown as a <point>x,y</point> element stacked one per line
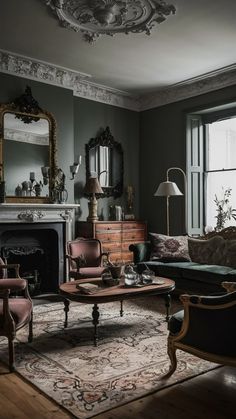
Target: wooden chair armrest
<point>229,286</point>
<point>14,266</point>
<point>13,284</point>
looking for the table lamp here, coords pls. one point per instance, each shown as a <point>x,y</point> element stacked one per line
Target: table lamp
<point>92,188</point>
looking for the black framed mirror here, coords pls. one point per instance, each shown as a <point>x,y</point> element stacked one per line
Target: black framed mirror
<point>27,150</point>
<point>104,159</point>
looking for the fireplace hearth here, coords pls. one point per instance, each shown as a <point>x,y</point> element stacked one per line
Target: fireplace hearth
<point>39,249</point>
<point>35,236</point>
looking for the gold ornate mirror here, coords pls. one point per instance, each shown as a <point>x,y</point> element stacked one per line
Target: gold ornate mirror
<point>27,150</point>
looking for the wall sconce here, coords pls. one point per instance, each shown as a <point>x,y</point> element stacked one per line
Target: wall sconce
<point>168,189</point>
<point>74,168</point>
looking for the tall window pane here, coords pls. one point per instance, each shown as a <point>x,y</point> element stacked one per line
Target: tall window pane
<point>220,157</point>
<point>222,145</point>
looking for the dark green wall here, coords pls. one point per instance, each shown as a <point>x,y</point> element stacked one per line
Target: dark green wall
<point>78,120</point>
<point>90,117</point>
<point>163,145</point>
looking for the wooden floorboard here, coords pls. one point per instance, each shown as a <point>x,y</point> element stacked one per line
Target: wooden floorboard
<point>211,395</point>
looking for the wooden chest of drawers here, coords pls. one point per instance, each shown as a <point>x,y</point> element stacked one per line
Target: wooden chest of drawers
<point>115,236</point>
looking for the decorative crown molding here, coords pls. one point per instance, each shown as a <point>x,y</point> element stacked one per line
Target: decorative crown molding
<point>29,68</point>
<point>196,86</point>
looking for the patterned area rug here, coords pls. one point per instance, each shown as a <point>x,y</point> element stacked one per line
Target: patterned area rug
<point>128,363</point>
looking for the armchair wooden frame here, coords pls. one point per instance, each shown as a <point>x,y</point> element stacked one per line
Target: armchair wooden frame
<point>188,330</point>
<point>9,326</point>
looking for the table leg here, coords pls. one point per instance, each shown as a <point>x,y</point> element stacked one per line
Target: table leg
<point>167,304</point>
<point>121,309</point>
<point>66,310</point>
<point>95,314</point>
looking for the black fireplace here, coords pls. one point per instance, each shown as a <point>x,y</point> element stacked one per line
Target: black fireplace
<point>39,248</point>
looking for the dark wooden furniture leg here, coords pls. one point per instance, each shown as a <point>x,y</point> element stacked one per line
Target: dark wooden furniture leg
<point>53,297</point>
<point>95,314</point>
<point>66,310</point>
<point>121,309</point>
<point>167,304</point>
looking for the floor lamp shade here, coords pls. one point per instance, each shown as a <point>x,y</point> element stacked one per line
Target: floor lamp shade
<point>167,189</point>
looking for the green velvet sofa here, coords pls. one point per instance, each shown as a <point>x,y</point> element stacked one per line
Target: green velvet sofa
<point>191,276</point>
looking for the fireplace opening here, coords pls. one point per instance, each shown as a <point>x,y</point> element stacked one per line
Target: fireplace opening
<point>39,249</point>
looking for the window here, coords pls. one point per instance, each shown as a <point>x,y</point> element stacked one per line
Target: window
<point>220,167</point>
<point>211,165</point>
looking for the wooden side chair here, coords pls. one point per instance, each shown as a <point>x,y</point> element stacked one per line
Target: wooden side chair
<point>205,328</point>
<point>15,311</point>
<point>86,258</point>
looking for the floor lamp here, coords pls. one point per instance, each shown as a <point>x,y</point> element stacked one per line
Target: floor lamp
<point>168,189</point>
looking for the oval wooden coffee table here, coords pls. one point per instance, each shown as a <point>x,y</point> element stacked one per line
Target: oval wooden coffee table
<point>116,293</point>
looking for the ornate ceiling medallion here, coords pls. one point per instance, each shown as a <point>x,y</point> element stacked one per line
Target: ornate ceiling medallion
<point>107,17</point>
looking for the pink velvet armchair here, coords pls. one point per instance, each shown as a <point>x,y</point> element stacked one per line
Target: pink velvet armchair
<point>15,311</point>
<point>85,258</point>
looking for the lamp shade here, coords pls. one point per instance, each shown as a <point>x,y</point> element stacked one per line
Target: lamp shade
<point>93,186</point>
<point>167,189</point>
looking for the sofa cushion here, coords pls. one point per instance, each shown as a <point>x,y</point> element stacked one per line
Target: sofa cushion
<point>169,247</point>
<point>206,273</point>
<point>166,269</point>
<point>210,252</point>
<point>230,258</point>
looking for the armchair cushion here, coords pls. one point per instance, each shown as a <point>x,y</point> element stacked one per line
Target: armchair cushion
<point>90,272</point>
<point>169,248</point>
<point>211,273</point>
<point>20,309</point>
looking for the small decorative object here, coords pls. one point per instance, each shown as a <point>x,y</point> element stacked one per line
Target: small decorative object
<point>92,188</point>
<point>59,192</point>
<point>38,189</point>
<point>147,276</point>
<point>26,188</point>
<point>18,190</point>
<point>129,203</point>
<point>131,277</point>
<point>115,269</point>
<point>118,212</point>
<point>108,280</point>
<point>224,210</point>
<point>112,212</point>
<point>2,191</point>
<point>45,172</point>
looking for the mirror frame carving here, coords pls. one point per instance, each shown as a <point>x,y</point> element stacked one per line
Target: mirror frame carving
<point>106,139</point>
<point>34,112</point>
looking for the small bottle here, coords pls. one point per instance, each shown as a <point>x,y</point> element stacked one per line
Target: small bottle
<point>18,190</point>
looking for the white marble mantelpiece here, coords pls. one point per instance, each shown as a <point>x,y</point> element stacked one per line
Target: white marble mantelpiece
<point>39,213</point>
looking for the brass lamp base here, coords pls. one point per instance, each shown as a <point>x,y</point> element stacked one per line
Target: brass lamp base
<point>93,209</point>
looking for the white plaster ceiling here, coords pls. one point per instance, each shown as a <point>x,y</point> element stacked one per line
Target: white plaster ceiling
<point>200,38</point>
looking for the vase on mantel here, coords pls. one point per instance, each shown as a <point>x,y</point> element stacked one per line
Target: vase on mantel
<point>2,191</point>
